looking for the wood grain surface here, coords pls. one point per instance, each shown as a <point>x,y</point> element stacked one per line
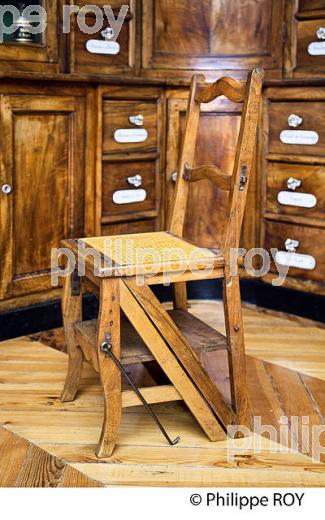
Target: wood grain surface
<point>286,375</point>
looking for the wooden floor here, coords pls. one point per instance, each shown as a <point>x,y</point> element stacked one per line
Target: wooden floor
<point>46,443</point>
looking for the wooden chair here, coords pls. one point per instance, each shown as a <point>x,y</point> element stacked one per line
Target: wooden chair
<point>146,331</point>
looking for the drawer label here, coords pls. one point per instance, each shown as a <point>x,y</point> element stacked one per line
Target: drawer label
<point>302,200</point>
<point>299,137</point>
<point>102,47</point>
<point>295,260</point>
<point>129,196</point>
<point>316,49</point>
<point>130,135</point>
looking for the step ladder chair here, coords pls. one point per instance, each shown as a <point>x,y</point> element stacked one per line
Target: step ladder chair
<point>144,330</point>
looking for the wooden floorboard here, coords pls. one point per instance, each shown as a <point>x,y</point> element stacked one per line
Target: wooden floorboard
<point>23,464</point>
<point>44,442</point>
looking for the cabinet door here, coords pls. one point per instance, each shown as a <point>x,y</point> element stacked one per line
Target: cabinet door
<point>216,144</point>
<point>43,164</point>
<point>212,35</point>
<point>40,55</point>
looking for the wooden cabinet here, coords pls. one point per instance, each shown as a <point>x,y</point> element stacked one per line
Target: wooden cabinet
<point>292,183</point>
<point>157,39</point>
<point>40,55</point>
<point>74,170</point>
<point>212,35</point>
<point>43,167</point>
<point>129,187</point>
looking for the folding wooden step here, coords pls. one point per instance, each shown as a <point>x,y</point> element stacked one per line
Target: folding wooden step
<point>201,337</point>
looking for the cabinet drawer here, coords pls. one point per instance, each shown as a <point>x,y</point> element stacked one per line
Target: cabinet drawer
<point>310,46</point>
<point>88,57</point>
<point>139,226</point>
<point>306,200</point>
<point>122,191</point>
<point>308,138</point>
<point>116,116</point>
<point>311,243</point>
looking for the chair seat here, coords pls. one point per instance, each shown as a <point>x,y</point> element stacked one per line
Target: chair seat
<point>151,253</point>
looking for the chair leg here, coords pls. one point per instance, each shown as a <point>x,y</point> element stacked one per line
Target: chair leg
<point>72,312</point>
<point>236,354</point>
<point>180,296</point>
<point>109,323</point>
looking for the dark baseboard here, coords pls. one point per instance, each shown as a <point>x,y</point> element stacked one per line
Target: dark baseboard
<point>258,293</point>
<point>48,315</point>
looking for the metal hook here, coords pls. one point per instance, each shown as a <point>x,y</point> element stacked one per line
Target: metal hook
<point>106,348</point>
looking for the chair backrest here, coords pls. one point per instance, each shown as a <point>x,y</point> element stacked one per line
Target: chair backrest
<point>248,93</point>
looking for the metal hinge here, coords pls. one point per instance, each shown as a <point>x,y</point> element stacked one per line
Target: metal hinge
<point>243,177</point>
<point>75,283</point>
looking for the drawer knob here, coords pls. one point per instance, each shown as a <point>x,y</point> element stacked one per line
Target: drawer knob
<point>320,33</point>
<point>107,33</point>
<point>6,189</point>
<point>291,245</point>
<point>294,120</point>
<point>293,183</point>
<point>137,120</point>
<point>174,176</point>
<point>136,180</point>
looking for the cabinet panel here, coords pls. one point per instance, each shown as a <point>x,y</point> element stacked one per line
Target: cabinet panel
<point>310,5</point>
<point>241,28</point>
<point>310,48</point>
<point>311,114</point>
<point>123,228</point>
<point>43,150</point>
<point>132,177</point>
<point>190,19</point>
<point>40,216</point>
<point>116,115</point>
<point>311,243</point>
<point>305,45</point>
<point>216,144</point>
<point>312,183</point>
<point>212,35</point>
<point>83,61</point>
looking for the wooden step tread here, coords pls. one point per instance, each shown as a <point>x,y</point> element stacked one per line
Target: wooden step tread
<point>201,337</point>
